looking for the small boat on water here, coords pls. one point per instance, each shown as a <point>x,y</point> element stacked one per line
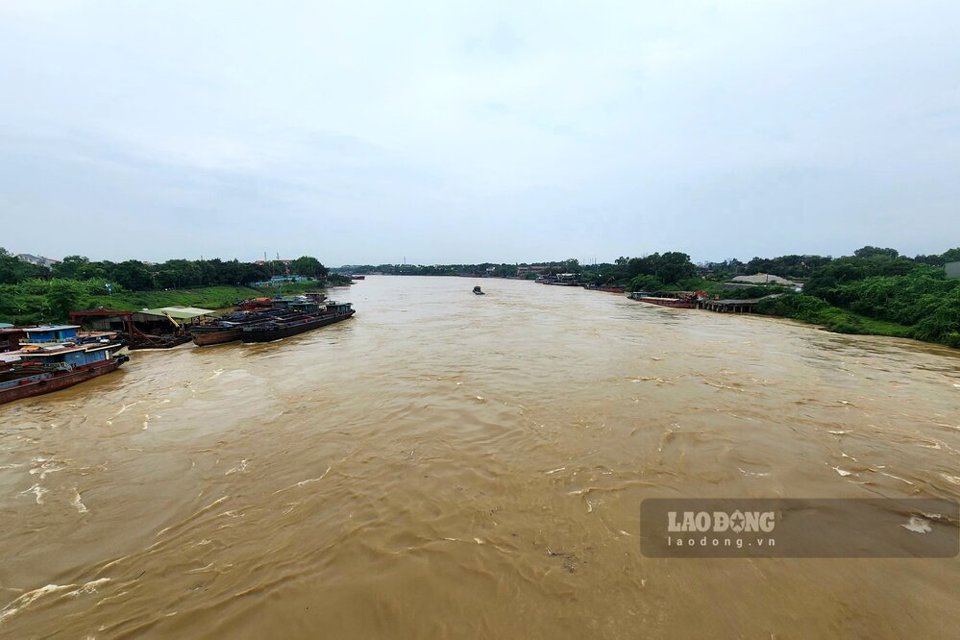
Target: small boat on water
<point>478,291</point>
<point>54,358</point>
<point>284,327</point>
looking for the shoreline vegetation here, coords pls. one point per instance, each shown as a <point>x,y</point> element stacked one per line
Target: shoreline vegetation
<point>31,294</point>
<point>875,291</point>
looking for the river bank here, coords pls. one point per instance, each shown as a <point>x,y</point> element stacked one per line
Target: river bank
<point>817,312</point>
<point>41,301</point>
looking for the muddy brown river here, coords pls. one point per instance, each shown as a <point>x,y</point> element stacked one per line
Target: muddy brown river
<point>446,465</point>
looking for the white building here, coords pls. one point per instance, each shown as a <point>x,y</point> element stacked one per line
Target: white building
<point>38,260</point>
<point>765,278</point>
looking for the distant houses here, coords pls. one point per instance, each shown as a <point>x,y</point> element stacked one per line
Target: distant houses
<point>40,261</point>
<point>523,270</point>
<point>276,281</point>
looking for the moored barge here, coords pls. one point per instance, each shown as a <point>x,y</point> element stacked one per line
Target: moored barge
<point>685,301</point>
<point>216,332</point>
<point>54,358</point>
<point>230,327</point>
<point>277,328</point>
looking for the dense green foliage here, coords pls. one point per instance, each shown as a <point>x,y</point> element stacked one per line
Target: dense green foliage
<point>31,294</point>
<point>814,310</point>
<point>36,301</point>
<point>883,292</point>
<point>893,290</point>
<point>135,275</point>
<point>14,270</point>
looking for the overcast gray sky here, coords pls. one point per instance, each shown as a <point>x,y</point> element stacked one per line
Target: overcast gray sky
<point>441,131</point>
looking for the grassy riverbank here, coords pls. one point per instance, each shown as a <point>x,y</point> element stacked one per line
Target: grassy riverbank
<point>38,301</point>
<point>204,297</point>
<point>816,311</point>
<point>876,291</point>
<point>805,308</point>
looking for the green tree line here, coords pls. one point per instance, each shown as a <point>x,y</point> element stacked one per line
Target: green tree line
<point>31,293</point>
<point>135,275</point>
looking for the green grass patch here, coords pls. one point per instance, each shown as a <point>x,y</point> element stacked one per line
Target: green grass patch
<point>205,297</point>
<point>816,311</point>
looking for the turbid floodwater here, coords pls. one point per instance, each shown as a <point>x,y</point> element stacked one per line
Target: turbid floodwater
<point>445,465</point>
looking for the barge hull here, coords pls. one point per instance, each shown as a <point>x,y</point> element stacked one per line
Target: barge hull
<point>56,382</point>
<point>674,303</point>
<point>269,335</point>
<point>204,338</point>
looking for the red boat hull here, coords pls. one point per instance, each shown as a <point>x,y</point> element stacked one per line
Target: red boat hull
<point>57,381</point>
<point>217,337</point>
<point>674,303</point>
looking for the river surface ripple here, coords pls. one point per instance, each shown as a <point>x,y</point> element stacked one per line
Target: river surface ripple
<point>447,465</point>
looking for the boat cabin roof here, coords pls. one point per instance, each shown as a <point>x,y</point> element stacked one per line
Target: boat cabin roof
<point>59,350</point>
<point>178,313</point>
<point>55,327</point>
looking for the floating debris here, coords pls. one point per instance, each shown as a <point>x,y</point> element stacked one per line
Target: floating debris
<point>78,503</point>
<point>918,525</point>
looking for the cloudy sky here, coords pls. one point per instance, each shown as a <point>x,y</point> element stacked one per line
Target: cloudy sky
<point>441,131</point>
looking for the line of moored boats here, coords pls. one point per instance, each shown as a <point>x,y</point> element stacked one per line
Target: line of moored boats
<point>677,300</point>
<point>38,360</point>
<point>266,320</point>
